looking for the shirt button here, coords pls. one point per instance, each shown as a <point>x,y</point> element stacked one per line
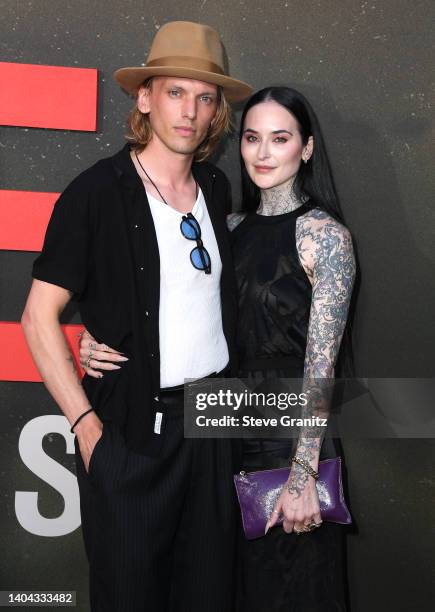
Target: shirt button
<point>141,268</point>
<point>152,355</point>
<point>157,398</point>
<point>136,226</point>
<point>147,314</point>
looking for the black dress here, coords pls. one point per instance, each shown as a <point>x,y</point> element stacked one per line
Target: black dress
<point>279,572</point>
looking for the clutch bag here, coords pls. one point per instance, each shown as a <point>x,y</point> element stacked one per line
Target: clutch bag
<point>258,492</point>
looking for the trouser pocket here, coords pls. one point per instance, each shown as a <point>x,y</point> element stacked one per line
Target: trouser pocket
<point>93,462</point>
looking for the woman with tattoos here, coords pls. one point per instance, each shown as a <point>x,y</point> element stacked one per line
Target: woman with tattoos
<point>295,270</point>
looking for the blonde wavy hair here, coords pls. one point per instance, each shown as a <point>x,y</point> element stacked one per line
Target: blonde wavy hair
<point>140,131</point>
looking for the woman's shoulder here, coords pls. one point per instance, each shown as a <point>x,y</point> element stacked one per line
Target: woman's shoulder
<point>319,223</point>
<point>323,242</point>
<point>234,219</point>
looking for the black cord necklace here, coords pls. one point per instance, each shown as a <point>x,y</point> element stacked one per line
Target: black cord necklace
<point>155,186</point>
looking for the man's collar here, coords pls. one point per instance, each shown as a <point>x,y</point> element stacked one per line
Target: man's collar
<point>124,166</point>
<point>204,177</point>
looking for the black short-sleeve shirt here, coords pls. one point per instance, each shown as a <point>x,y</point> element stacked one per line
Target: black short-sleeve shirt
<point>64,257</point>
<point>101,245</point>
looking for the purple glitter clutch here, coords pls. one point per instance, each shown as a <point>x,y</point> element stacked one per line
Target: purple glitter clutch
<point>258,492</point>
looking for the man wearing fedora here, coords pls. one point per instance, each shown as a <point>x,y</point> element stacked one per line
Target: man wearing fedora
<point>139,241</point>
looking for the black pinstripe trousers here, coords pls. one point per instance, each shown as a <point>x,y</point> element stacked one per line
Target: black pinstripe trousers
<point>159,532</point>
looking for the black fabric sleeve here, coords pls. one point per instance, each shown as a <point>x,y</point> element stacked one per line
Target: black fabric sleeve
<point>64,257</point>
<point>228,198</point>
<point>225,189</point>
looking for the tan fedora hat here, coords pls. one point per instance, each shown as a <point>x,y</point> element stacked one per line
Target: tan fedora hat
<point>185,49</point>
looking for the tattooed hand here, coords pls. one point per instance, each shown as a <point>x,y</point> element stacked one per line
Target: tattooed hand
<point>298,502</point>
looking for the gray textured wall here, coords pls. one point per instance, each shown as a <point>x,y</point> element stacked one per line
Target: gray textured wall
<point>367,68</point>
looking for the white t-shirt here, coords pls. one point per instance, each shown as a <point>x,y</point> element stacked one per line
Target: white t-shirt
<point>192,341</point>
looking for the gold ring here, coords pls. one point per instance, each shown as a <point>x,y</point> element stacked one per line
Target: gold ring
<point>299,532</point>
<point>276,512</point>
<point>306,529</point>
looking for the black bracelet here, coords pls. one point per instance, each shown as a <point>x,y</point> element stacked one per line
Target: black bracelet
<point>80,417</point>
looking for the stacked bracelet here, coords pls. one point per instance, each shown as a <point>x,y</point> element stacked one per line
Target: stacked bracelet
<point>80,418</point>
<point>306,466</point>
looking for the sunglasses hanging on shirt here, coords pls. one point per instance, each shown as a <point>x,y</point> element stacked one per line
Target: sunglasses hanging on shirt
<point>199,256</point>
<point>190,229</point>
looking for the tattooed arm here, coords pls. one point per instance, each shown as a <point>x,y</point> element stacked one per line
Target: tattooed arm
<point>325,250</point>
<point>326,253</point>
<point>51,353</point>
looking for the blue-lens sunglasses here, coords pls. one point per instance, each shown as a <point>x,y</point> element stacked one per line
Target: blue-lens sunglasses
<point>199,256</point>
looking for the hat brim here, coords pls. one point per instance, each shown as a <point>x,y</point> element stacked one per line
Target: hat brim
<point>131,79</point>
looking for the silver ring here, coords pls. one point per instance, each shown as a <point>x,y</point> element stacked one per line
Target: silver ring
<point>92,345</point>
<point>88,360</point>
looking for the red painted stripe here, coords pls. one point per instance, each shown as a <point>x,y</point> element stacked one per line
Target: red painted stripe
<point>48,96</point>
<point>24,218</point>
<point>16,361</point>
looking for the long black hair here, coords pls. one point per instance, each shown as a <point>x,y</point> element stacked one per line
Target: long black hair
<point>313,180</point>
